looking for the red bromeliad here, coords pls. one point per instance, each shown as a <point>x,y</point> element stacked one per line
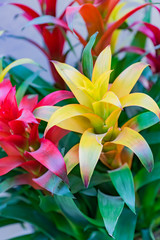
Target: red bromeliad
<point>54,38</point>
<point>103,16</point>
<point>19,137</point>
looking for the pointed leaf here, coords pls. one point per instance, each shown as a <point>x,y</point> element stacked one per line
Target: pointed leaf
<point>16,181</point>
<point>45,112</point>
<point>47,19</point>
<point>9,163</point>
<point>24,86</point>
<point>15,64</point>
<point>74,110</point>
<point>102,64</point>
<point>72,158</point>
<point>29,11</point>
<point>49,156</point>
<point>125,228</point>
<point>110,208</point>
<point>76,216</point>
<point>142,121</point>
<point>90,148</point>
<point>54,98</point>
<point>53,184</point>
<point>29,102</point>
<point>110,97</point>
<point>124,83</point>
<point>106,38</point>
<point>75,81</point>
<point>133,140</point>
<point>87,60</point>
<point>5,87</point>
<point>55,134</point>
<point>122,179</point>
<point>140,100</point>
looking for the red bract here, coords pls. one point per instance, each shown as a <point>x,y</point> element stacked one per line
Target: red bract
<point>153,33</point>
<point>19,136</point>
<point>96,15</point>
<point>54,38</point>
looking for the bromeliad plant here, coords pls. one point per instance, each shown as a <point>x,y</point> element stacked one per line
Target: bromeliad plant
<point>97,113</point>
<point>19,136</point>
<point>53,34</point>
<point>106,17</point>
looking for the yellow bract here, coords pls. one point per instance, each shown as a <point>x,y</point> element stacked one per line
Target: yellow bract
<point>96,115</point>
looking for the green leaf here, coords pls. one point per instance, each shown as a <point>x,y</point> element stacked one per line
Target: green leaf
<point>71,211</point>
<point>122,180</point>
<point>99,235</point>
<point>20,73</point>
<point>125,227</point>
<point>15,64</point>
<point>110,208</point>
<point>25,213</point>
<point>87,60</point>
<point>48,204</point>
<point>147,234</point>
<point>143,178</point>
<point>152,137</point>
<point>24,86</point>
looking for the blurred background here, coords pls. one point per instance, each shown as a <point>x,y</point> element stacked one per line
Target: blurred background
<point>13,23</point>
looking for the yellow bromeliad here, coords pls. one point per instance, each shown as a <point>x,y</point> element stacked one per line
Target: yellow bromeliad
<point>96,116</point>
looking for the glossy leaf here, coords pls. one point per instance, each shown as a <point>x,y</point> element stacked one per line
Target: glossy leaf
<point>24,86</point>
<point>110,208</point>
<point>8,163</point>
<point>24,213</point>
<point>17,180</point>
<point>140,100</point>
<point>15,64</point>
<point>90,148</point>
<point>66,204</point>
<point>74,79</point>
<point>54,98</point>
<point>5,87</point>
<point>87,61</point>
<point>72,158</point>
<point>102,64</point>
<point>110,97</point>
<point>49,156</point>
<point>127,79</point>
<point>76,216</point>
<point>143,178</point>
<point>122,180</point>
<point>45,112</point>
<point>28,102</point>
<point>126,225</point>
<point>53,184</point>
<point>142,121</point>
<point>134,141</point>
<point>74,110</point>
